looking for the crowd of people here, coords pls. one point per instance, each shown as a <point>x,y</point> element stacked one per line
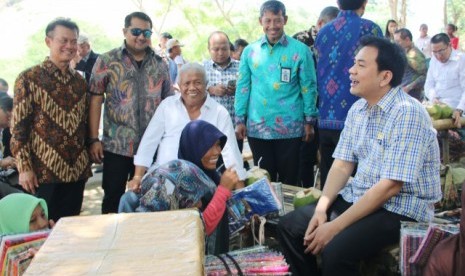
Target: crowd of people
<point>342,89</point>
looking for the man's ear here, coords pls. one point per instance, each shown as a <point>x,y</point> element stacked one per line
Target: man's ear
<point>386,77</point>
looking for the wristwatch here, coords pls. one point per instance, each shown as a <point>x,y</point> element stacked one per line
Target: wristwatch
<point>90,141</point>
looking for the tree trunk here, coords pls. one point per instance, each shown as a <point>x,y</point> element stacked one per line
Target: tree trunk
<point>393,7</point>
<point>445,12</point>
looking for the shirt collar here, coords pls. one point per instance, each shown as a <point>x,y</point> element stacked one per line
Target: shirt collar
<point>52,69</point>
<point>387,101</point>
<point>207,104</point>
<point>283,40</point>
<point>125,51</point>
<point>216,66</point>
<point>347,13</point>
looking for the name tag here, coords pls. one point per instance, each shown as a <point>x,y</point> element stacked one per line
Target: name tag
<point>286,74</point>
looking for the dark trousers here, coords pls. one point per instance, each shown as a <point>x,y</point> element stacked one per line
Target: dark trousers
<point>328,142</point>
<point>280,157</point>
<point>117,170</point>
<point>63,199</point>
<point>308,159</point>
<point>342,255</point>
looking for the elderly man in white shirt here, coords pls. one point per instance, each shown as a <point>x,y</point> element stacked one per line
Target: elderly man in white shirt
<point>165,127</point>
<point>445,81</point>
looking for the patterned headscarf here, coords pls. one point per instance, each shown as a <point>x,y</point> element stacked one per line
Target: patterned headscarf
<point>197,138</point>
<point>16,211</point>
<point>177,184</point>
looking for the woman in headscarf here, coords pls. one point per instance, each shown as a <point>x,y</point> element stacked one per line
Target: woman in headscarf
<point>22,213</point>
<point>190,182</point>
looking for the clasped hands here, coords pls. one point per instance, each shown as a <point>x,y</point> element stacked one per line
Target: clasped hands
<point>319,233</point>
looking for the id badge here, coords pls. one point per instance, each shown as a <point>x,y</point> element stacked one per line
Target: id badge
<point>285,74</point>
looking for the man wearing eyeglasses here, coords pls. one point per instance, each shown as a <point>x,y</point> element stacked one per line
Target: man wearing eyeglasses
<point>133,80</point>
<point>445,81</point>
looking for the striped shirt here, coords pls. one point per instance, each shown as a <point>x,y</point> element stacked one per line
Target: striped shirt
<point>395,140</point>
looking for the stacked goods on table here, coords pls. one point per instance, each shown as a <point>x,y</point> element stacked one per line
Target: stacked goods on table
<point>417,240</point>
<point>15,255</point>
<point>253,261</point>
<point>160,243</point>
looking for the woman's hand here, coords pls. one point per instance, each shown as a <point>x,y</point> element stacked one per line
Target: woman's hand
<point>229,179</point>
<point>134,184</point>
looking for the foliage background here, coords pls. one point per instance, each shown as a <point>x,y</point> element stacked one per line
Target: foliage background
<point>22,22</point>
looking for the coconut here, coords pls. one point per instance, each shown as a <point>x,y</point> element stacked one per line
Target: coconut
<point>305,197</point>
<point>255,174</point>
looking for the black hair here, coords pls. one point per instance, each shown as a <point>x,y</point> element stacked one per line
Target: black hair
<point>240,43</point>
<point>404,33</point>
<point>140,15</point>
<point>61,21</point>
<point>387,34</point>
<point>273,6</point>
<point>6,102</point>
<point>390,57</point>
<point>166,35</point>
<point>219,32</point>
<point>454,28</point>
<point>350,5</point>
<point>3,82</point>
<point>328,14</point>
<point>441,37</point>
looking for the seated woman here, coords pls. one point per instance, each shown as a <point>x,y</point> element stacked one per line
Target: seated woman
<point>190,182</point>
<point>23,213</point>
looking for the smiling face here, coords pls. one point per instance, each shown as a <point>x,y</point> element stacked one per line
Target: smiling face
<point>211,156</point>
<point>136,45</point>
<point>273,25</point>
<point>38,219</point>
<point>62,43</point>
<point>193,88</point>
<point>366,80</point>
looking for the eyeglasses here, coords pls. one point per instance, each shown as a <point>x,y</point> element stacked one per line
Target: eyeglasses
<point>137,32</point>
<point>440,52</point>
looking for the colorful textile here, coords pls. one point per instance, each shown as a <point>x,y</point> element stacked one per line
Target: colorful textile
<point>336,45</point>
<point>197,138</point>
<point>216,75</point>
<point>384,141</point>
<point>49,124</point>
<point>415,73</point>
<point>16,210</point>
<point>432,237</point>
<point>276,89</point>
<point>132,94</point>
<point>178,184</point>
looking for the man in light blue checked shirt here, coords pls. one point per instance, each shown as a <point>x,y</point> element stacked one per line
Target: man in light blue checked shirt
<point>389,136</point>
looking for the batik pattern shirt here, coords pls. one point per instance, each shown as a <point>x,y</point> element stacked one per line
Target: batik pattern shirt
<point>415,73</point>
<point>276,89</point>
<point>49,124</point>
<point>216,75</point>
<point>336,45</point>
<point>395,140</point>
<point>132,94</point>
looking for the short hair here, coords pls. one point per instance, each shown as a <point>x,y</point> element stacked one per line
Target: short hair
<point>83,39</point>
<point>61,21</point>
<point>404,33</point>
<point>441,37</point>
<point>350,5</point>
<point>454,28</point>
<point>423,26</point>
<point>240,43</point>
<point>3,82</point>
<point>328,14</point>
<point>220,33</point>
<point>273,6</point>
<point>140,15</point>
<point>386,31</point>
<point>166,35</point>
<point>390,57</point>
<point>6,102</point>
<point>195,67</point>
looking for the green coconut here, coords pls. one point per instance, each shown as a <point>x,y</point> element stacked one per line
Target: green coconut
<point>434,111</point>
<point>446,111</point>
<point>305,197</point>
<point>255,174</point>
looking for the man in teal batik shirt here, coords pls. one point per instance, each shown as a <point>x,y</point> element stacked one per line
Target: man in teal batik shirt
<point>276,96</point>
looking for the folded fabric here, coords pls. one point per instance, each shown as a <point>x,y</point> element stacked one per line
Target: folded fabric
<point>433,236</point>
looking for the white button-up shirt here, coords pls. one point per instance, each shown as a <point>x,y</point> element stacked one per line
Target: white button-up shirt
<point>165,127</point>
<point>446,81</point>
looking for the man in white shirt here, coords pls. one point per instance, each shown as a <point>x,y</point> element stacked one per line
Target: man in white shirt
<point>165,127</point>
<point>445,81</point>
<point>424,41</point>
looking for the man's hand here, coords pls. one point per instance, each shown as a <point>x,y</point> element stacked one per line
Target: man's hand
<point>218,90</point>
<point>8,163</point>
<point>28,180</point>
<point>231,90</point>
<point>241,131</point>
<point>96,152</point>
<point>309,133</point>
<point>456,116</point>
<point>320,237</point>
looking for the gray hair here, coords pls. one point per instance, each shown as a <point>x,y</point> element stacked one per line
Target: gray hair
<point>192,67</point>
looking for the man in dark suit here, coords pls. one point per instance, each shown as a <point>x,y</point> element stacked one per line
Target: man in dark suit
<point>86,55</point>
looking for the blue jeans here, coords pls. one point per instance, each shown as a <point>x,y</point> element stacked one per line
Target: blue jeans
<point>129,202</point>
